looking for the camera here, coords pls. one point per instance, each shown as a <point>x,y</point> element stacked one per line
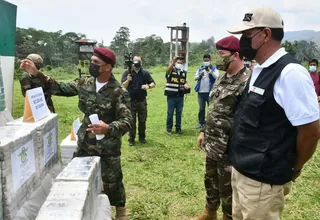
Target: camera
<point>128,60</point>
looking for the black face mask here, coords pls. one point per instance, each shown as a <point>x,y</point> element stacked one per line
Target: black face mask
<point>137,64</point>
<point>246,47</point>
<point>94,70</point>
<point>38,66</point>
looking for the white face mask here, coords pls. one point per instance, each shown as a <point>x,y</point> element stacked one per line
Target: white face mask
<point>312,69</point>
<point>178,66</point>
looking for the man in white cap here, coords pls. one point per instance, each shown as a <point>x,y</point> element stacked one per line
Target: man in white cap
<point>27,81</point>
<point>276,123</point>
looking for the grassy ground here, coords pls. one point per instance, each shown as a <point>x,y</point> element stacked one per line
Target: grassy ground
<point>164,178</point>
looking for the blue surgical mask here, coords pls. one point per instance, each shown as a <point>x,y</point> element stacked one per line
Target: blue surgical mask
<point>206,63</point>
<point>312,69</point>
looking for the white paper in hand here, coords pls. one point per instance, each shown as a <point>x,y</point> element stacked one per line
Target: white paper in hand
<point>95,120</point>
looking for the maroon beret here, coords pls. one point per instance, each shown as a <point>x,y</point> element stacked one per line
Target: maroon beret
<point>105,54</point>
<point>230,43</point>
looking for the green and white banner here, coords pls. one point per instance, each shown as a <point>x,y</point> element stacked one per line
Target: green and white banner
<point>8,16</point>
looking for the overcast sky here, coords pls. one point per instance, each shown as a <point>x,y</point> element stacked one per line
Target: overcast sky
<point>100,19</point>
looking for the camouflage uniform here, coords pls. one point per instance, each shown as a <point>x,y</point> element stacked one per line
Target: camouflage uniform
<point>223,99</point>
<point>27,82</point>
<point>111,104</point>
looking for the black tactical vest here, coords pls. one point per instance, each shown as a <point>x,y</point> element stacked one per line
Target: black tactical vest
<point>175,83</point>
<point>262,143</point>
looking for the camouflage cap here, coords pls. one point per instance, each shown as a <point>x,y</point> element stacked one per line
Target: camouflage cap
<point>35,58</point>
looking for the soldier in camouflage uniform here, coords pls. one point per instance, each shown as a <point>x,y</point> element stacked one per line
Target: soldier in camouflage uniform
<point>213,138</point>
<point>27,81</point>
<point>100,94</point>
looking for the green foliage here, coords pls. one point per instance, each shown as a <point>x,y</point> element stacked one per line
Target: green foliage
<point>164,178</point>
<point>291,47</point>
<point>302,50</point>
<point>55,48</point>
<point>120,44</point>
<point>58,49</point>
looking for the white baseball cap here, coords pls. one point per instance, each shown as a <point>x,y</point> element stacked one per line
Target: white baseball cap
<point>259,17</point>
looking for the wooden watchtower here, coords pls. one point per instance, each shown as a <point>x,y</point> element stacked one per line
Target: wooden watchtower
<point>179,42</point>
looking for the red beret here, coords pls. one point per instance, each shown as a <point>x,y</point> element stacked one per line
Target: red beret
<point>230,43</point>
<point>105,54</point>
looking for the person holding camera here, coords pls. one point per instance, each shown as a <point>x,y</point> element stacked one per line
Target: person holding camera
<point>205,77</point>
<point>137,83</point>
<point>176,87</point>
<point>213,138</point>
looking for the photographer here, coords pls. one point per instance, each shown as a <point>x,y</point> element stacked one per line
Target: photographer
<point>176,87</point>
<point>205,77</point>
<point>137,82</point>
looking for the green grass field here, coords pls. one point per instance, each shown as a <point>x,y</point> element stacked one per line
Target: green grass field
<point>164,178</point>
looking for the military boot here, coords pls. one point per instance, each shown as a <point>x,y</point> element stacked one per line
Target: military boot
<point>208,214</point>
<point>121,213</point>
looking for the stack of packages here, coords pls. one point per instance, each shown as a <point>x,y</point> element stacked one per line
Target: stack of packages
<point>47,142</point>
<point>19,167</point>
<point>46,162</point>
<point>67,147</point>
<point>75,193</point>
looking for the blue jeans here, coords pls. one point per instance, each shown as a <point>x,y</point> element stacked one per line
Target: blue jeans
<point>174,103</point>
<point>203,99</point>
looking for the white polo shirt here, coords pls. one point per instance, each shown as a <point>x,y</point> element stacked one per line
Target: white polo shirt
<point>293,91</point>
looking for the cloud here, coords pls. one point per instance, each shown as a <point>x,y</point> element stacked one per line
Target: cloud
<point>100,20</point>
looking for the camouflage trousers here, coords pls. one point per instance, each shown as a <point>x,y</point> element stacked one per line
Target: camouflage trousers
<point>138,108</point>
<point>111,176</point>
<point>217,181</point>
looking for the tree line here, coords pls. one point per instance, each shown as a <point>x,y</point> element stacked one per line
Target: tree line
<point>58,48</point>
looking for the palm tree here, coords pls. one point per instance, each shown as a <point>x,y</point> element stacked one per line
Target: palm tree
<point>312,50</point>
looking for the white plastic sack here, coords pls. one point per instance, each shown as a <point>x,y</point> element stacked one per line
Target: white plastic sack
<point>104,208</point>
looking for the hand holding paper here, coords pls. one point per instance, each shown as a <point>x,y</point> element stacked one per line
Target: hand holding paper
<point>99,128</point>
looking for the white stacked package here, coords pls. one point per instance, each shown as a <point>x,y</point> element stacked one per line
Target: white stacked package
<point>66,200</point>
<point>1,205</point>
<point>5,116</point>
<point>67,148</point>
<point>19,160</point>
<point>47,141</point>
<point>75,191</point>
